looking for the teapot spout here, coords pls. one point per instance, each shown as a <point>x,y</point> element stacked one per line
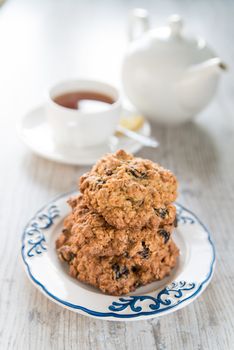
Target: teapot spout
<point>198,84</point>
<point>213,66</point>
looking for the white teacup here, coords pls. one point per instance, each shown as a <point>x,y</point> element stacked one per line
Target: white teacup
<point>77,128</point>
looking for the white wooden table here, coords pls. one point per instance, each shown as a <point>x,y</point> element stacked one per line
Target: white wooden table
<point>44,41</point>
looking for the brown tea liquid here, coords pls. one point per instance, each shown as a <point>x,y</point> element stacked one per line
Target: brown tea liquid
<point>73,99</point>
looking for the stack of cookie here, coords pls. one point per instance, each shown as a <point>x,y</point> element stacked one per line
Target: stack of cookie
<point>118,235</point>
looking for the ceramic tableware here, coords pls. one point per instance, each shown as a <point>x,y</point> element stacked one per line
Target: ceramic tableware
<point>79,128</point>
<point>187,281</point>
<point>167,75</point>
<point>36,134</point>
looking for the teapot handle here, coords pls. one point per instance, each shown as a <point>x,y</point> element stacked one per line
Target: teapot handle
<point>138,23</point>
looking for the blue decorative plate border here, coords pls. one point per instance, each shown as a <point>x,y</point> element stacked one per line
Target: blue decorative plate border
<point>176,288</point>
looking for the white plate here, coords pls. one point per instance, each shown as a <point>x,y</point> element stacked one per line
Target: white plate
<point>36,134</point>
<point>187,281</point>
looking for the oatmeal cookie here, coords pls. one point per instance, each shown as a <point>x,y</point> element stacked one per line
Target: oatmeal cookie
<point>125,190</point>
<point>120,275</point>
<point>91,234</point>
<point>118,234</point>
<point>116,260</point>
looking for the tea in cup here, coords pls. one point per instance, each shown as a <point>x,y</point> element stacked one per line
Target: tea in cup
<point>83,113</point>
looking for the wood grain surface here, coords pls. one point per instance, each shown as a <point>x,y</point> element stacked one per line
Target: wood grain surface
<point>44,41</point>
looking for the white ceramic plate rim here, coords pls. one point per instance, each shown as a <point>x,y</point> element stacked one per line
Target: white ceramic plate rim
<point>132,300</point>
<point>66,157</point>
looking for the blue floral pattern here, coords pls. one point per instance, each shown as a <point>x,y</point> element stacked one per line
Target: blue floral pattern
<point>166,297</point>
<point>183,216</point>
<point>34,231</point>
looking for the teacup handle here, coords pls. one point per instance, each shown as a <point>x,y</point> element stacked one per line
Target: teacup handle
<point>138,23</point>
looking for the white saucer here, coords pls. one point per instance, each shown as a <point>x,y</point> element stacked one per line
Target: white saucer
<point>36,134</point>
<point>187,281</point>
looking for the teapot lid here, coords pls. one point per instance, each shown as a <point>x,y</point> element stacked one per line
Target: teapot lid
<point>171,42</point>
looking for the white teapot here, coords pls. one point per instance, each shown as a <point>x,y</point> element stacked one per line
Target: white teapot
<point>166,75</point>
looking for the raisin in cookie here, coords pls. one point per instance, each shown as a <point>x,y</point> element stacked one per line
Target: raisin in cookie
<point>125,190</point>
